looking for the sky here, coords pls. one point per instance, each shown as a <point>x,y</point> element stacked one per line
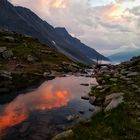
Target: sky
<point>109,26</point>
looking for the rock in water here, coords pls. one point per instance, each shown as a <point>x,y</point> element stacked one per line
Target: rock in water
<point>86,97</point>
<point>92,99</point>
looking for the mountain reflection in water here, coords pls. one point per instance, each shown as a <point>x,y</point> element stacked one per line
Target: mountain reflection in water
<point>56,99</point>
<point>43,99</point>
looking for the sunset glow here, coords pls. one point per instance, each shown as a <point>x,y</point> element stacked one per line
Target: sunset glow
<point>43,99</point>
<point>59,4</point>
<point>95,22</point>
<point>117,11</point>
<point>114,12</point>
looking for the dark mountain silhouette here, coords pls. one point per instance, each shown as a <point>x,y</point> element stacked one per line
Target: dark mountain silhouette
<point>24,21</point>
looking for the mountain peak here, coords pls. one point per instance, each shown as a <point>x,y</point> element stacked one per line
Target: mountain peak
<point>24,21</point>
<point>61,31</point>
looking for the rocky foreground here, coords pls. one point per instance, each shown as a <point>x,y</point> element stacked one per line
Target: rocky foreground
<point>25,62</point>
<point>118,94</point>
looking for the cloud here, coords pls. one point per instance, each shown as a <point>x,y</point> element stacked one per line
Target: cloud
<point>104,27</point>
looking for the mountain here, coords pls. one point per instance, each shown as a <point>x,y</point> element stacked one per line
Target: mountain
<point>24,21</point>
<point>89,52</point>
<point>124,56</point>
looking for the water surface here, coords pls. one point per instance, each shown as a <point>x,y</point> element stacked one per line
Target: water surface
<point>43,112</point>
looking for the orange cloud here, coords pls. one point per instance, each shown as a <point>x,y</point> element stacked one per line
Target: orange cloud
<point>59,3</point>
<point>43,99</point>
<point>114,12</point>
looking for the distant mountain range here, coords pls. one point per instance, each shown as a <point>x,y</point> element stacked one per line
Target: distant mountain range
<point>24,21</point>
<point>124,56</point>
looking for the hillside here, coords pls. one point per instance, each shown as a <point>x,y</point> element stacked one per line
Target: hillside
<point>23,20</point>
<point>24,62</point>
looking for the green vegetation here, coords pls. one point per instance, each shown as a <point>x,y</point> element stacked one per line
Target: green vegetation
<point>121,123</point>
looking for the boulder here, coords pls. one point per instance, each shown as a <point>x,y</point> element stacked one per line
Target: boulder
<point>6,74</point>
<point>113,79</point>
<point>114,104</point>
<point>81,111</point>
<point>7,54</point>
<point>135,86</point>
<point>30,58</point>
<point>71,118</point>
<point>2,49</point>
<point>10,38</point>
<point>132,74</point>
<point>45,74</point>
<point>113,96</point>
<point>63,135</point>
<point>99,87</point>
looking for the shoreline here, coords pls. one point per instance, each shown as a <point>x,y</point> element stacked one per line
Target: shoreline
<point>118,93</point>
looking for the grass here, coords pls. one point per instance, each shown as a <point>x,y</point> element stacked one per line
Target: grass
<point>121,123</point>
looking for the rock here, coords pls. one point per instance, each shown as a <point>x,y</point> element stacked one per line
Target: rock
<point>91,109</point>
<point>7,54</point>
<point>123,77</point>
<point>103,82</point>
<point>20,66</point>
<point>129,82</point>
<point>113,79</point>
<point>132,74</point>
<point>113,96</point>
<point>138,119</point>
<point>106,88</point>
<point>99,87</point>
<point>138,106</point>
<point>81,112</point>
<point>30,58</point>
<point>124,71</point>
<point>10,38</point>
<point>135,86</point>
<point>6,74</point>
<point>63,135</point>
<point>92,99</point>
<point>84,84</point>
<point>2,49</point>
<point>138,90</point>
<point>114,103</point>
<point>45,74</point>
<point>71,118</point>
<point>86,97</point>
